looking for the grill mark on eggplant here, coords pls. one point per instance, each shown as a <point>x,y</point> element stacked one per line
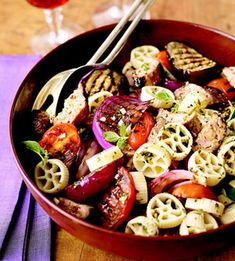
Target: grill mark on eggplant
<point>103,80</point>
<point>187,59</point>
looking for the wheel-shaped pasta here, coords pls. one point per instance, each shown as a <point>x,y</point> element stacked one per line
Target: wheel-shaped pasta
<point>166,209</point>
<point>197,222</point>
<point>227,154</point>
<point>207,205</point>
<point>227,140</point>
<point>95,99</point>
<point>127,67</point>
<point>140,187</point>
<point>176,139</point>
<point>151,159</point>
<point>228,215</point>
<point>51,176</point>
<point>231,127</point>
<point>142,55</point>
<point>142,226</point>
<point>159,97</point>
<point>206,167</point>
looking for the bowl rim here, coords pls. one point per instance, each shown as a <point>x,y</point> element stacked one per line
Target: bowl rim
<point>32,186</point>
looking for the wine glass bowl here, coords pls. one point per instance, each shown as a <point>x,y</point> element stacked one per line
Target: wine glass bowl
<point>58,30</point>
<point>47,3</point>
<point>112,11</point>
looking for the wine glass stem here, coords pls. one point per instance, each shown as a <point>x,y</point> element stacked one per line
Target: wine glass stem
<point>54,18</point>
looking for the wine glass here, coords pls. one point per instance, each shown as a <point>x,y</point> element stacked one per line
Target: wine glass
<point>58,30</point>
<point>112,11</point>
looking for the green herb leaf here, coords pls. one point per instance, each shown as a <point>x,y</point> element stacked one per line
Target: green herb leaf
<point>121,142</point>
<point>161,95</point>
<point>122,130</point>
<point>35,147</point>
<point>111,136</point>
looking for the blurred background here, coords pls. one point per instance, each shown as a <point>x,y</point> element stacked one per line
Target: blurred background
<point>19,20</point>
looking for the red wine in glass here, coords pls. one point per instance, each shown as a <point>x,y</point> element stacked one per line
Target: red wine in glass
<point>47,3</point>
<point>58,30</point>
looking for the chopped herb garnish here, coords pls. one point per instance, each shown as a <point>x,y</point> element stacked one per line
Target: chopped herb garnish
<point>113,137</point>
<point>175,107</point>
<point>145,66</point>
<point>162,95</point>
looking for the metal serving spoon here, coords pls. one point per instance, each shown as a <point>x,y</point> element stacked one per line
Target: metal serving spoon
<point>55,85</point>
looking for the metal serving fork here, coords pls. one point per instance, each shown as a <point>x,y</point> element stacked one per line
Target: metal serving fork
<point>55,85</point>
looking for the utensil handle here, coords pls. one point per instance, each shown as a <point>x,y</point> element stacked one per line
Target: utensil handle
<point>115,32</point>
<point>127,33</point>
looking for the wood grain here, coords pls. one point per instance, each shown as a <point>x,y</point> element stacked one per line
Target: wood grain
<point>19,21</point>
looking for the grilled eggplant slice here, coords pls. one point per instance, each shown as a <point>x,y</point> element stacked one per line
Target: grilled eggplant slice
<point>103,80</point>
<point>188,63</point>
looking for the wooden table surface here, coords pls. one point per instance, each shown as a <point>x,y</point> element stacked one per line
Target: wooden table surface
<point>18,23</point>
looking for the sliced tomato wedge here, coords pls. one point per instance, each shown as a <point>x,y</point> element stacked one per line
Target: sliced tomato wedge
<point>221,84</point>
<point>162,57</point>
<point>62,141</point>
<point>141,131</point>
<point>193,190</point>
<point>230,95</point>
<point>117,203</point>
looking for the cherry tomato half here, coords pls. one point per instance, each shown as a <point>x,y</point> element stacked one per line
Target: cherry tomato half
<point>117,203</point>
<point>141,131</point>
<point>193,190</point>
<point>62,141</point>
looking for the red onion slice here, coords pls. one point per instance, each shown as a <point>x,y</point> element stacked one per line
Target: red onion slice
<point>114,110</point>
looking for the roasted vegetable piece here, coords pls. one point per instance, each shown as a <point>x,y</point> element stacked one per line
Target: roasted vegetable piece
<point>168,179</point>
<point>40,123</point>
<point>192,190</point>
<point>102,80</point>
<point>141,130</point>
<point>62,141</point>
<point>190,64</point>
<point>92,149</point>
<point>220,83</point>
<point>147,74</point>
<point>81,211</point>
<point>162,57</point>
<point>117,203</point>
<point>115,111</point>
<point>92,183</point>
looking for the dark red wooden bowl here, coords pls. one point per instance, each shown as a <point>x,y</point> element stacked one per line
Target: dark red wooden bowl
<point>213,43</point>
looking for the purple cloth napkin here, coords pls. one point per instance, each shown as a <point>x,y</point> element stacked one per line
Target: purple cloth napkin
<point>25,232</point>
